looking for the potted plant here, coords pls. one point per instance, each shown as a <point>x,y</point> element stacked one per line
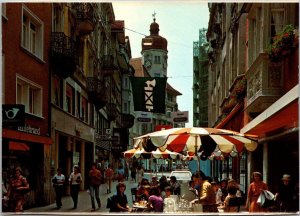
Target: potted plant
<point>282,44</point>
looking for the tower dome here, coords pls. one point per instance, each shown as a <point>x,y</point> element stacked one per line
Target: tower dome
<point>154,40</point>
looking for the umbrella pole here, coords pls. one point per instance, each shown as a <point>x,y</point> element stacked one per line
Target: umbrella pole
<point>198,161</point>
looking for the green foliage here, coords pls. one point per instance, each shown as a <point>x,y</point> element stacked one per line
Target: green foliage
<point>281,43</point>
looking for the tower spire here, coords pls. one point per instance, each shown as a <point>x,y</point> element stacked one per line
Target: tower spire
<point>153,15</point>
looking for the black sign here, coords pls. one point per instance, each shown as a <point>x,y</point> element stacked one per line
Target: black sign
<point>13,115</point>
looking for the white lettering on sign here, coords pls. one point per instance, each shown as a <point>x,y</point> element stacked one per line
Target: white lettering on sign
<point>29,129</point>
<point>149,94</point>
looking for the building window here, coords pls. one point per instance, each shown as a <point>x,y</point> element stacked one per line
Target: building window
<point>57,92</point>
<point>4,11</point>
<point>32,33</point>
<point>70,99</point>
<point>29,94</point>
<point>277,21</point>
<point>125,107</point>
<point>157,60</point>
<point>84,109</point>
<point>57,19</point>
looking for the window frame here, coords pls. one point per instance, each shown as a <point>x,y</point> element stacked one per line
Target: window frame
<point>26,37</point>
<point>26,88</point>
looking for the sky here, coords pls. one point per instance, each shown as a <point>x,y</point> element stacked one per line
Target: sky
<point>179,22</point>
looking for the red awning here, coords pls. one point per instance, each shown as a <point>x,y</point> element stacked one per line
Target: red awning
<point>18,146</point>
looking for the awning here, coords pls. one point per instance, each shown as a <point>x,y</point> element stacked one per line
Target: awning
<point>234,120</point>
<point>18,146</point>
<point>282,114</point>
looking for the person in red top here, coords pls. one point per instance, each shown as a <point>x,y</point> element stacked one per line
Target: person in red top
<point>109,175</point>
<point>95,181</point>
<point>255,188</point>
<point>17,189</point>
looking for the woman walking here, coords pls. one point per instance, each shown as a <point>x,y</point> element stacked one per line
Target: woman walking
<point>75,179</point>
<point>255,188</point>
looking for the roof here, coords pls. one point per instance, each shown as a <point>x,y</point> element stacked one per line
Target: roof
<point>172,91</point>
<point>139,70</point>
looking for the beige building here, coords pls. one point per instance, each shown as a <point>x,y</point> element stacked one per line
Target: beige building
<point>251,89</point>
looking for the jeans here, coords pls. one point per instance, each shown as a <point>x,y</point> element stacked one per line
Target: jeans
<point>94,191</point>
<point>59,192</point>
<point>74,193</point>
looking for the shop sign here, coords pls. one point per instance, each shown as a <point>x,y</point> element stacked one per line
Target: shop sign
<point>144,117</point>
<point>28,129</point>
<point>13,115</point>
<point>180,117</point>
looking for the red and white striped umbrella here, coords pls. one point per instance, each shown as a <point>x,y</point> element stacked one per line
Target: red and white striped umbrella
<point>141,152</point>
<point>206,140</point>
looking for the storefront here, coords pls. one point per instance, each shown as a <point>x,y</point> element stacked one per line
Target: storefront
<point>32,154</point>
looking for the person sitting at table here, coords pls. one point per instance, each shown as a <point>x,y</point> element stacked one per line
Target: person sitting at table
<point>190,194</point>
<point>143,190</point>
<point>154,182</point>
<point>163,183</point>
<point>119,200</point>
<point>231,189</point>
<point>175,185</point>
<point>155,201</point>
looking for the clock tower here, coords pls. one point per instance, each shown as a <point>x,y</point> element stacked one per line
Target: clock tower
<point>154,52</point>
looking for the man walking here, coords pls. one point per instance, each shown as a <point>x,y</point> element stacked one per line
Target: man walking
<point>95,181</point>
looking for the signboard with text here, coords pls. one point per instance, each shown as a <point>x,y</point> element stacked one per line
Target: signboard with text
<point>180,117</point>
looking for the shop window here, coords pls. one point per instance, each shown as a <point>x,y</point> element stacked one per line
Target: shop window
<point>70,99</point>
<point>29,94</point>
<point>32,33</point>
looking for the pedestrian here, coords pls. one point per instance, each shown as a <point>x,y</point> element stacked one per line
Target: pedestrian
<point>75,179</point>
<point>133,173</point>
<point>95,181</point>
<point>18,187</point>
<point>58,181</point>
<point>286,195</point>
<point>139,174</point>
<point>255,188</point>
<point>119,199</point>
<point>120,173</point>
<point>126,172</point>
<point>109,175</point>
<point>206,192</point>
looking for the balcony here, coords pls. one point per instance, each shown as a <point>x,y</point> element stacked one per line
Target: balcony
<point>108,65</point>
<point>112,112</point>
<point>97,92</point>
<point>85,16</point>
<point>264,84</point>
<point>63,54</point>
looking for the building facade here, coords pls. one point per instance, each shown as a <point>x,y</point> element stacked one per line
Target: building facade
<point>200,80</point>
<point>249,87</point>
<point>26,141</point>
<point>66,63</point>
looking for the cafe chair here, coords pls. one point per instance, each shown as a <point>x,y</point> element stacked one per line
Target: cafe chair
<point>234,202</point>
<point>133,194</point>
